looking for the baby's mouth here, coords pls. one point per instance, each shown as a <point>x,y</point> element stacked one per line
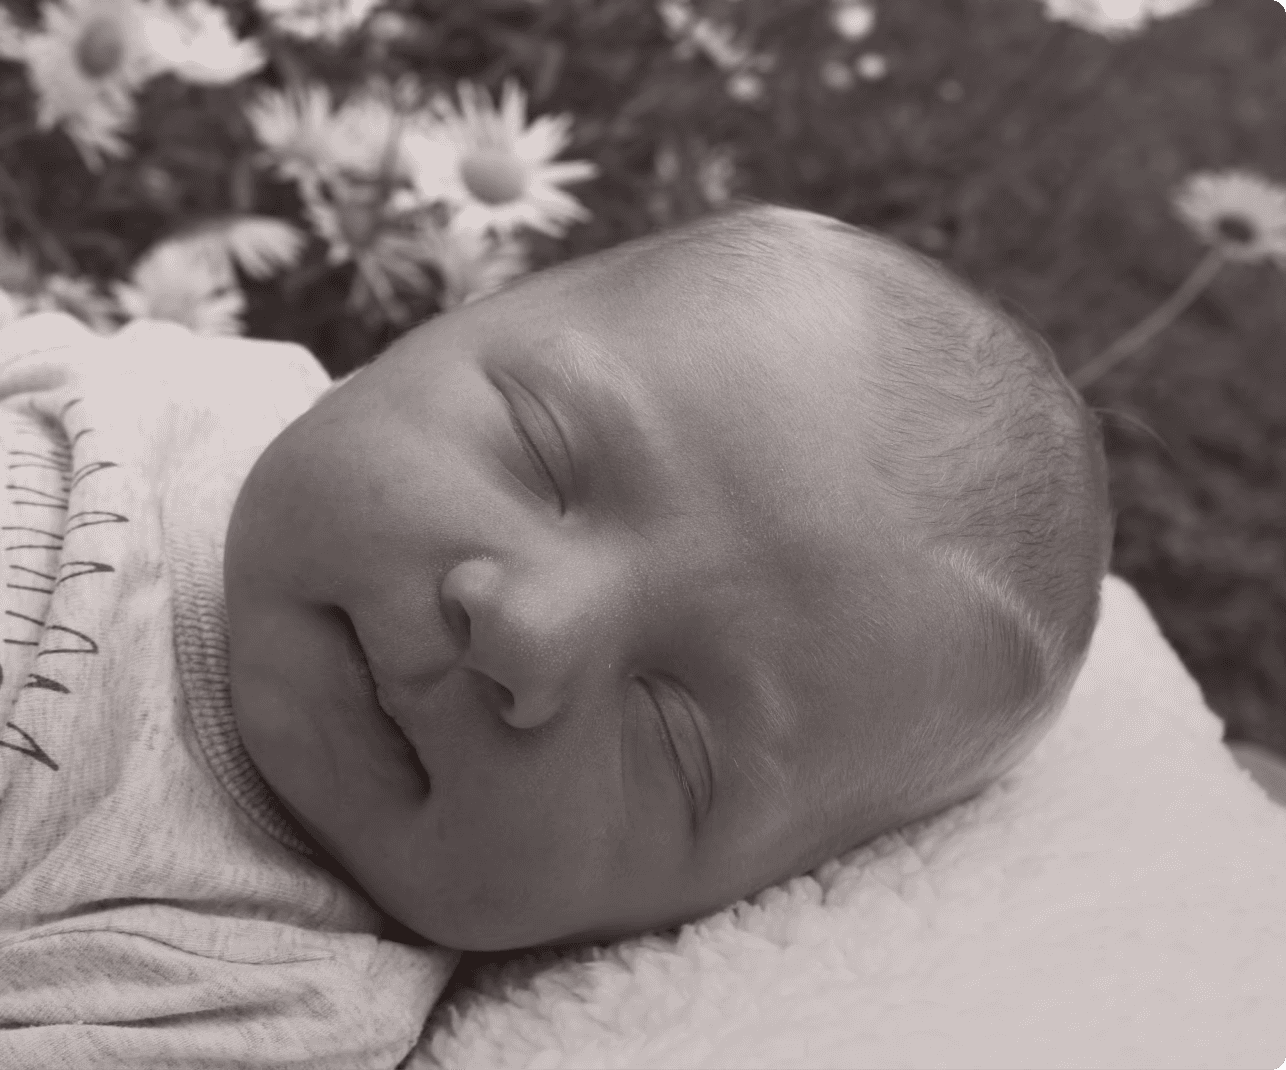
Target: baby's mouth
<point>372,693</point>
<point>412,755</point>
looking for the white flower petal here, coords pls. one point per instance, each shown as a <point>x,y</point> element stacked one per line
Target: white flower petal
<point>568,171</point>
<point>474,134</point>
<point>677,16</point>
<point>852,19</point>
<point>261,245</point>
<point>95,108</point>
<point>1204,200</point>
<point>746,87</point>
<point>871,65</point>
<point>185,282</point>
<point>474,264</point>
<point>513,109</point>
<point>197,43</point>
<point>221,66</point>
<point>544,139</point>
<point>330,20</point>
<point>13,39</point>
<point>1116,18</point>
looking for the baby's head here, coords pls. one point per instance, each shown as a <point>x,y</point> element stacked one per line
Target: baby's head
<point>662,576</point>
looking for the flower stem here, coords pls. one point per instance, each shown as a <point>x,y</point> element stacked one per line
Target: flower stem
<point>1165,314</point>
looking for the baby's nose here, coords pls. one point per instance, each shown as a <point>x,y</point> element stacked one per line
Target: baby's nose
<point>536,639</point>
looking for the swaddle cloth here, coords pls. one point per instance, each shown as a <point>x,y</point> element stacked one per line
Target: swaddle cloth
<point>1117,900</point>
<point>155,909</point>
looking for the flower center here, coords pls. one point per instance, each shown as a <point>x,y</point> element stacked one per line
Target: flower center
<point>493,175</point>
<point>101,47</point>
<point>1235,229</point>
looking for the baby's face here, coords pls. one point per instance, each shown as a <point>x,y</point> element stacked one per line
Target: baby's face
<point>528,620</point>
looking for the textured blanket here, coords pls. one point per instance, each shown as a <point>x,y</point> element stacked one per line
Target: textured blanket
<point>1117,900</point>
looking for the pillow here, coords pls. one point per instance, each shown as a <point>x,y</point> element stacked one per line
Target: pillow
<point>1117,900</point>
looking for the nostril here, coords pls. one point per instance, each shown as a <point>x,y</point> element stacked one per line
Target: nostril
<point>457,621</point>
<point>490,691</point>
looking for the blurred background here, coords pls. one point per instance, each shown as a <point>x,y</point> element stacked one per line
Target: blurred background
<point>332,172</point>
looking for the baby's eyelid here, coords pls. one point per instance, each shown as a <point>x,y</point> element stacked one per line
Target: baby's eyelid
<point>552,427</point>
<point>530,449</point>
<point>672,750</point>
<point>538,461</point>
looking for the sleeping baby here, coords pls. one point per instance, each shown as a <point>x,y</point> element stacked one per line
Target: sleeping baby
<point>585,610</point>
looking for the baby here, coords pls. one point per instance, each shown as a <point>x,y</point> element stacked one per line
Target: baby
<point>586,609</point>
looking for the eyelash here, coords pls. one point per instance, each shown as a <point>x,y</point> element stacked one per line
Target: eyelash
<point>533,455</point>
<point>667,740</point>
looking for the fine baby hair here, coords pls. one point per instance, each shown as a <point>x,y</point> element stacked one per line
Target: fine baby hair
<point>989,470</point>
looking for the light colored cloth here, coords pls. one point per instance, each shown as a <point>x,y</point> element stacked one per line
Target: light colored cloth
<point>1117,900</point>
<point>155,908</point>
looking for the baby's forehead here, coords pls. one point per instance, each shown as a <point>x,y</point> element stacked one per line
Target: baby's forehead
<point>750,391</point>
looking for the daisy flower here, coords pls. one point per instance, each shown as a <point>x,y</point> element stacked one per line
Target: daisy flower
<point>330,20</point>
<point>91,57</point>
<point>392,240</point>
<point>308,139</point>
<point>186,281</point>
<point>716,173</point>
<point>677,16</point>
<point>1238,212</point>
<point>745,87</point>
<point>259,245</point>
<point>852,19</point>
<point>494,168</point>
<point>294,128</point>
<point>1115,18</point>
<point>356,180</point>
<point>196,43</point>
<point>871,65</point>
<point>86,64</point>
<point>1241,216</point>
<point>476,263</point>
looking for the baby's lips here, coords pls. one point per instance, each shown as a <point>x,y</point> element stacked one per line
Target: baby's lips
<point>364,680</point>
<point>414,753</point>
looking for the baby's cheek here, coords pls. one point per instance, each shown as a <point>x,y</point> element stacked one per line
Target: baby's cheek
<point>473,888</point>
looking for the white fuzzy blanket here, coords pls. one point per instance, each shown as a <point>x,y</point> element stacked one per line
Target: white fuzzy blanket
<point>1118,900</point>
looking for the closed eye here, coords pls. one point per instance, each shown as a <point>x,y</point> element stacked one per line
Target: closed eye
<point>533,454</point>
<point>671,751</point>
